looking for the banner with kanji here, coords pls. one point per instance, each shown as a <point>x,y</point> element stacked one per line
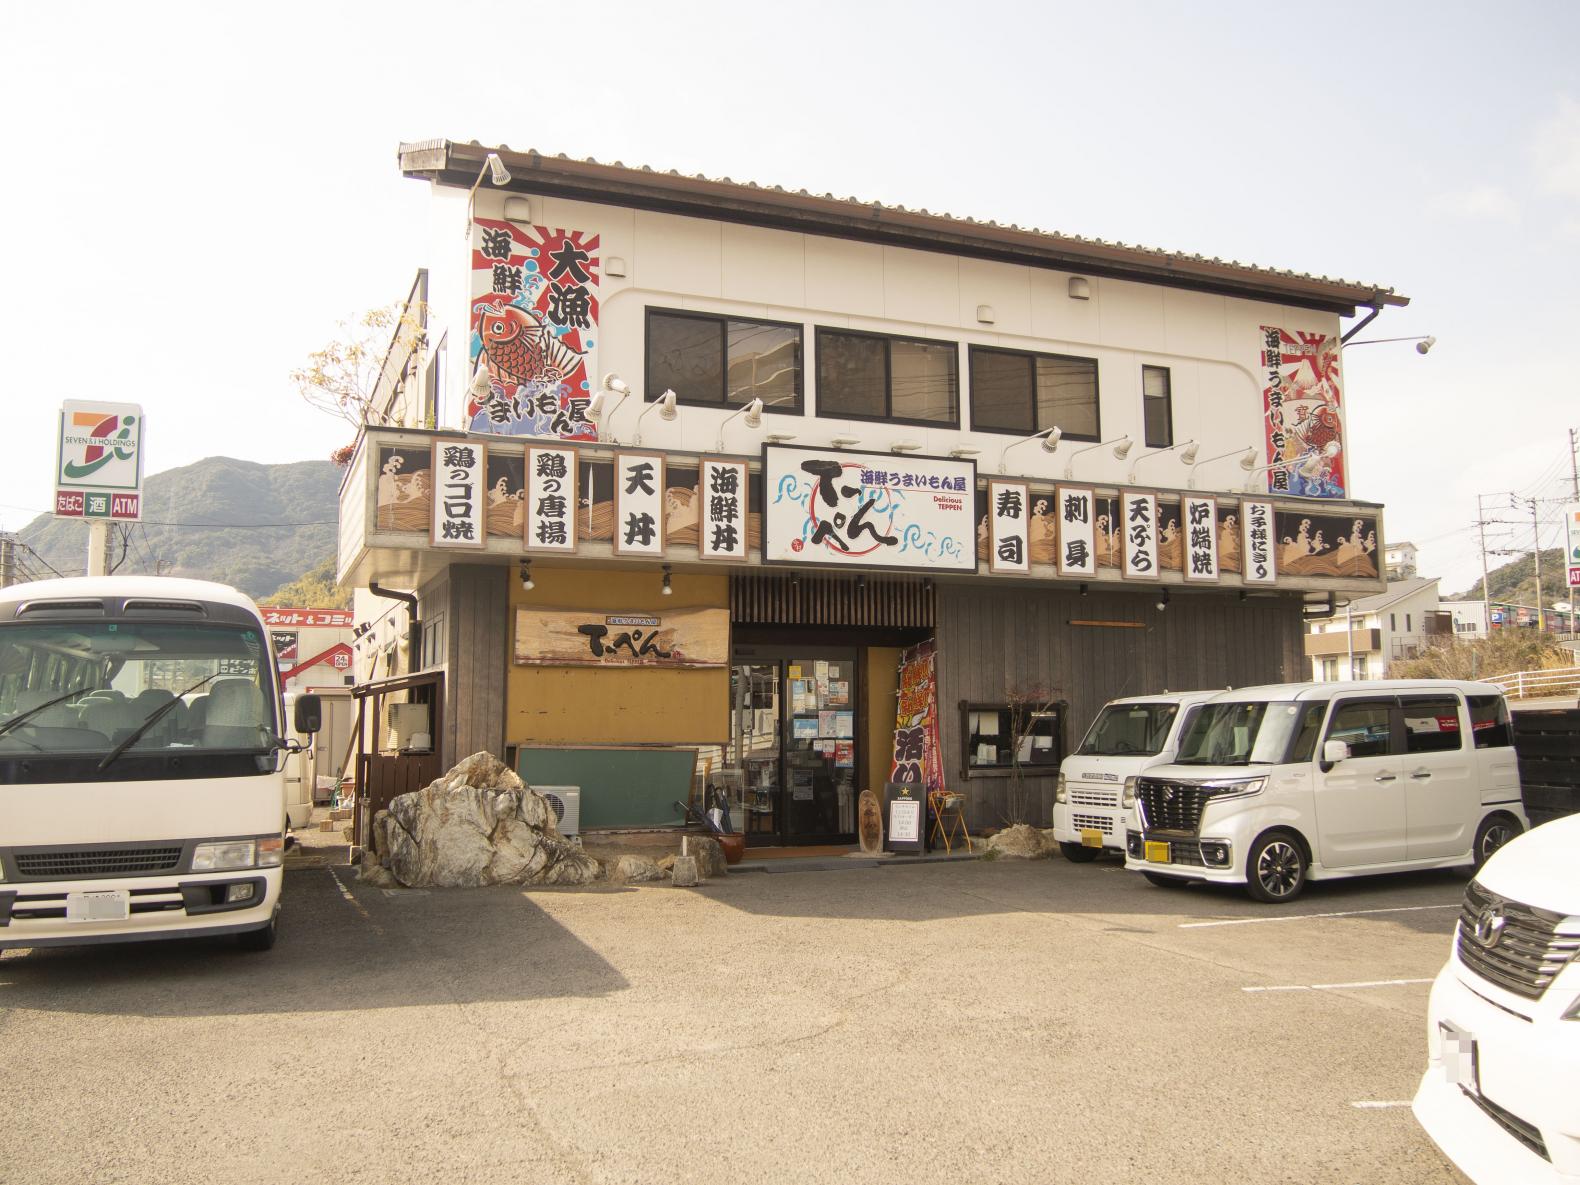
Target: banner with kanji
<point>918,756</point>
<point>1303,413</point>
<point>535,328</point>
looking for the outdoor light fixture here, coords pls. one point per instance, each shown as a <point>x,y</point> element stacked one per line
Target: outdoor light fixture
<point>1080,288</point>
<point>1050,442</point>
<point>845,441</point>
<point>905,446</point>
<point>1247,462</point>
<point>665,404</point>
<point>779,437</point>
<point>964,452</point>
<point>1083,588</point>
<point>1121,451</point>
<point>481,383</point>
<point>1187,451</point>
<point>1309,466</point>
<point>753,412</point>
<point>604,404</point>
<point>497,173</point>
<point>1163,599</point>
<point>666,590</point>
<point>861,582</point>
<point>526,576</point>
<point>1422,344</point>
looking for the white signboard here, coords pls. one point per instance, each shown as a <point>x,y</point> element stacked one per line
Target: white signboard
<point>1201,538</point>
<point>1572,548</point>
<point>1260,564</point>
<point>829,507</point>
<point>1139,540</point>
<point>905,820</point>
<point>460,512</point>
<point>1077,555</point>
<point>1008,506</point>
<point>550,521</point>
<point>721,520</point>
<point>99,460</point>
<point>638,503</point>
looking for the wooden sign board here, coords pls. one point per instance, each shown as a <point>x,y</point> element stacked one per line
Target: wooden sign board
<point>692,637</point>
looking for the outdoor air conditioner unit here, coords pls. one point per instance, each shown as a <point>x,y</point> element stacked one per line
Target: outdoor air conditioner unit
<point>567,804</point>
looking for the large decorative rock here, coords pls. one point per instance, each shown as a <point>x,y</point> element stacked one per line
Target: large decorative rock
<point>1022,842</point>
<point>709,856</point>
<point>636,870</point>
<point>476,825</point>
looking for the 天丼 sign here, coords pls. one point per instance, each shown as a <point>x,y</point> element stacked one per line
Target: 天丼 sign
<point>99,461</point>
<point>833,508</point>
<point>589,638</point>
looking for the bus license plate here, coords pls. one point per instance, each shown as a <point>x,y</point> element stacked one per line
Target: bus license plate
<point>108,905</point>
<point>1157,853</point>
<point>1091,837</point>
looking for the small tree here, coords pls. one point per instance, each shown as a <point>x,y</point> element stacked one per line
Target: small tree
<point>1027,704</point>
<point>364,365</point>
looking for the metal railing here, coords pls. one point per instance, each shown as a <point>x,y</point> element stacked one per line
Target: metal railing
<point>1526,684</point>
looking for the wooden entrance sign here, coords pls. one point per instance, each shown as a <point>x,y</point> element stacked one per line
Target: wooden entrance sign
<point>692,637</point>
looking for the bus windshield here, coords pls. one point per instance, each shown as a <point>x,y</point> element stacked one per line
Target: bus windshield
<point>85,689</point>
<point>1129,728</point>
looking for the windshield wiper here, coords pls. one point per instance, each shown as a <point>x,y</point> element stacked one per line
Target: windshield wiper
<point>152,719</point>
<point>13,721</point>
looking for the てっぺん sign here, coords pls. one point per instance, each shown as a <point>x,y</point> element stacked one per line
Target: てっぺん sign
<point>698,637</point>
<point>832,508</point>
<point>99,460</point>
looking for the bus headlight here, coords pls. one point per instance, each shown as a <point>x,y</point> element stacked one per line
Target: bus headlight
<point>225,855</point>
<point>1128,797</point>
<point>1060,792</point>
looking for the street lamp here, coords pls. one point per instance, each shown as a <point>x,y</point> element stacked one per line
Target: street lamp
<point>1050,442</point>
<point>1187,451</point>
<point>753,412</point>
<point>1121,451</point>
<point>665,404</point>
<point>1247,462</point>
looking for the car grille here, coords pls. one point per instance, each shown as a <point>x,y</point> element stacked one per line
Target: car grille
<point>1094,822</point>
<point>1080,796</point>
<point>1526,1133</point>
<point>1170,806</point>
<point>89,863</point>
<point>1527,953</point>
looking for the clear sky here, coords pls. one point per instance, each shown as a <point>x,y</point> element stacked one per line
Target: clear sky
<point>195,194</point>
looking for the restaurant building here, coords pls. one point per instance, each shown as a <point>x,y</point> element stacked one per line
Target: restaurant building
<point>709,460</point>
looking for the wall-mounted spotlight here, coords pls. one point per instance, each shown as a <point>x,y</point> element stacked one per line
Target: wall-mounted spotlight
<point>604,404</point>
<point>906,446</point>
<point>779,437</point>
<point>526,576</point>
<point>1083,588</point>
<point>1187,450</point>
<point>667,590</point>
<point>1163,599</point>
<point>1050,442</point>
<point>497,173</point>
<point>753,412</point>
<point>845,441</point>
<point>1247,462</point>
<point>665,404</point>
<point>1121,445</point>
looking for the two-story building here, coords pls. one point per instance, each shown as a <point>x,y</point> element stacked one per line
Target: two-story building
<point>710,458</point>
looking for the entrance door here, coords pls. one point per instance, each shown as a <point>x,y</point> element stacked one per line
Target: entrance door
<point>754,747</point>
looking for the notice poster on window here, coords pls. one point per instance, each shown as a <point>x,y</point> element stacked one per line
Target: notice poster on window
<point>917,757</point>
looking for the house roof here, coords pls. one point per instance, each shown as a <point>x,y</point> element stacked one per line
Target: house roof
<point>1397,590</point>
<point>447,162</point>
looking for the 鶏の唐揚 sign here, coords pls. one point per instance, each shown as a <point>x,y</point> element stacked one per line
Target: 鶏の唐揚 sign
<point>834,508</point>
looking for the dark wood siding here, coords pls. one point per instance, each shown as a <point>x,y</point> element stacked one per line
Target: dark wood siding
<point>476,600</point>
<point>992,639</point>
<point>774,598</point>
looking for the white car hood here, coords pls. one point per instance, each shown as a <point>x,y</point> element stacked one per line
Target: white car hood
<point>1540,868</point>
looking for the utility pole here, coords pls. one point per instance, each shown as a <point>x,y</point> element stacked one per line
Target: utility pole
<point>7,559</point>
<point>1536,553</point>
<point>1574,466</point>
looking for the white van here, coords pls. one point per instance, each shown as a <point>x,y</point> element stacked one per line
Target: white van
<point>1273,786</point>
<point>1501,1092</point>
<point>142,792</point>
<point>1097,783</point>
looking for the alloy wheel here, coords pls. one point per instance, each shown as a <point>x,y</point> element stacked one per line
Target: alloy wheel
<point>1278,868</point>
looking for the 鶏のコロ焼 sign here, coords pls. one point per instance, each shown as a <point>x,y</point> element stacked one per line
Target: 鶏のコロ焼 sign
<point>99,461</point>
<point>833,508</point>
<point>692,637</point>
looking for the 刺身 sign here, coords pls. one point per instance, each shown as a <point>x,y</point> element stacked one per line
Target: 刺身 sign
<point>99,461</point>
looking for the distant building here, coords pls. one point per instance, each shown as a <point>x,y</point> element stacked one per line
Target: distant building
<point>1469,618</point>
<point>1365,636</point>
<point>1399,560</point>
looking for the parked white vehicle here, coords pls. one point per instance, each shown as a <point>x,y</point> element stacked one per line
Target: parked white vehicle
<point>1275,786</point>
<point>1501,1092</point>
<point>142,785</point>
<point>1097,783</point>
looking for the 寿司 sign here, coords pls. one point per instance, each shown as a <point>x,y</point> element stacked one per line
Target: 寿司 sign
<point>833,508</point>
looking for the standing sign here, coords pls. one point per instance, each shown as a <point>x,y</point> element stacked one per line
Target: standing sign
<point>1201,539</point>
<point>1077,554</point>
<point>1260,567</point>
<point>550,521</point>
<point>1572,539</point>
<point>834,508</point>
<point>639,503</point>
<point>1139,542</point>
<point>1007,505</point>
<point>459,508</point>
<point>721,523</point>
<point>99,461</point>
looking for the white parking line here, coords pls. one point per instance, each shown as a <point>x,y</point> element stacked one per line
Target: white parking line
<point>1335,987</point>
<point>1380,1105</point>
<point>1306,917</point>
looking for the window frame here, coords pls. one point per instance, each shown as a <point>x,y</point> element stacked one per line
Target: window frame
<point>819,332</point>
<point>1039,769</point>
<point>1415,698</point>
<point>1395,745</point>
<point>722,320</point>
<point>1167,399</point>
<point>1097,393</point>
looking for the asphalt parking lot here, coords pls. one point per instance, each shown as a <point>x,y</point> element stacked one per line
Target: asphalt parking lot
<point>982,1021</point>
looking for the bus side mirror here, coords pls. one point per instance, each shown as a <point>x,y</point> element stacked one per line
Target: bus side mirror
<point>1333,752</point>
<point>309,715</point>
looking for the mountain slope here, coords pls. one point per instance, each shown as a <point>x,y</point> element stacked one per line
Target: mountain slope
<point>252,526</point>
<point>1515,581</point>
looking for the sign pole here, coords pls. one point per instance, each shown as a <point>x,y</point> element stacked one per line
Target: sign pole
<point>98,547</point>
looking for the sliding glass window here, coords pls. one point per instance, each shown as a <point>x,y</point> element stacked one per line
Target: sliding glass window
<point>869,376</point>
<point>723,361</point>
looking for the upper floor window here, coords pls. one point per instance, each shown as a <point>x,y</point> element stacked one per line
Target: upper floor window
<point>869,376</point>
<point>1157,406</point>
<point>723,361</point>
<point>1013,391</point>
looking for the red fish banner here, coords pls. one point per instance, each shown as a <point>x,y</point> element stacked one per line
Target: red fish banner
<point>918,756</point>
<point>1304,414</point>
<point>534,328</point>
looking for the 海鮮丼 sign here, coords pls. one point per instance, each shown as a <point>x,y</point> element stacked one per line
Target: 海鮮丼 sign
<point>99,462</point>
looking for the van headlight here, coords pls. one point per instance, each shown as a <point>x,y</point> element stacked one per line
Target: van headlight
<point>1061,793</point>
<point>1128,796</point>
<point>1223,788</point>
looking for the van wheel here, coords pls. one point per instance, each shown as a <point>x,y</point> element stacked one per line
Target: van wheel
<point>1079,853</point>
<point>1275,868</point>
<point>261,938</point>
<point>1164,881</point>
<point>1494,832</point>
